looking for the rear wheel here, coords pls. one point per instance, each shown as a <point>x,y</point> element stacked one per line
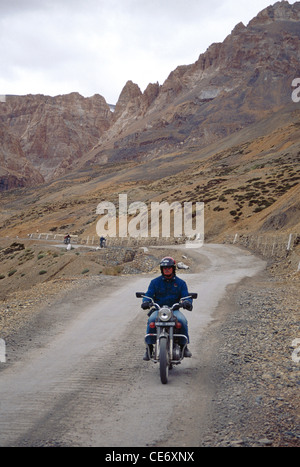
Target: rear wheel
<point>164,360</point>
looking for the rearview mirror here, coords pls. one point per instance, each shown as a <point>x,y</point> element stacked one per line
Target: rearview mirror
<point>139,294</point>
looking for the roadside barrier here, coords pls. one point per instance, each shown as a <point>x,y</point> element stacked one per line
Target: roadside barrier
<point>93,240</point>
<point>52,237</point>
<point>270,246</point>
<point>131,241</point>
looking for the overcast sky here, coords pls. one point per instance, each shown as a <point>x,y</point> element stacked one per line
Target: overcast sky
<point>95,46</point>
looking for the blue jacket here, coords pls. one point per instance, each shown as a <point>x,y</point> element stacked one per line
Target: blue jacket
<point>167,292</point>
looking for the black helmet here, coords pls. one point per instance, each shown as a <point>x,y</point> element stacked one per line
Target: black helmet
<point>168,262</point>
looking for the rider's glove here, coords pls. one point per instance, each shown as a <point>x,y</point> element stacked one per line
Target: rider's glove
<point>187,305</point>
<point>146,305</point>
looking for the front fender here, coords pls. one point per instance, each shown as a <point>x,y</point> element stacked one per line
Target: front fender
<point>163,335</point>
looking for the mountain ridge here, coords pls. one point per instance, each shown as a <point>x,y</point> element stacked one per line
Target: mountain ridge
<point>192,93</point>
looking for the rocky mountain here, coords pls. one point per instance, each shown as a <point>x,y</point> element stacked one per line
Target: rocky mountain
<point>15,169</point>
<point>232,85</point>
<point>223,130</point>
<point>52,132</point>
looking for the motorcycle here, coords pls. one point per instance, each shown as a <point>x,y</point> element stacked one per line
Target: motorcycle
<point>102,242</point>
<point>166,351</point>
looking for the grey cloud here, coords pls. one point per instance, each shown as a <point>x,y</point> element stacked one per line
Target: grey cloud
<point>50,46</point>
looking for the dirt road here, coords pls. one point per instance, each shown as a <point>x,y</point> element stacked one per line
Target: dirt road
<point>82,381</point>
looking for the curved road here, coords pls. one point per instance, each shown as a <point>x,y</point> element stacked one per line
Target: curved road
<point>87,385</point>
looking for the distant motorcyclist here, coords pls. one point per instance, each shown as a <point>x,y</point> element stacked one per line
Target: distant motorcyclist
<point>102,241</point>
<point>167,289</point>
<point>67,239</point>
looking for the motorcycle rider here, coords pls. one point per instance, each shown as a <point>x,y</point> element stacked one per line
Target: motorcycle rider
<point>167,289</point>
<point>67,239</point>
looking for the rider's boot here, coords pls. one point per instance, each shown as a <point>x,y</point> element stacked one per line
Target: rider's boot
<point>146,355</point>
<point>187,353</point>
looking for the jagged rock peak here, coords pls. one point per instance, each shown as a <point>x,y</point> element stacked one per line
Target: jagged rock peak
<point>129,93</point>
<point>238,28</point>
<point>280,11</point>
<point>151,92</point>
<point>133,101</point>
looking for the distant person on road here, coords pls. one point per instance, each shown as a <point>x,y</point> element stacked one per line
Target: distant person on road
<point>102,241</point>
<point>167,289</point>
<point>67,239</point>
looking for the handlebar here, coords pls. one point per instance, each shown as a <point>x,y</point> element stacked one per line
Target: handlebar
<point>175,306</point>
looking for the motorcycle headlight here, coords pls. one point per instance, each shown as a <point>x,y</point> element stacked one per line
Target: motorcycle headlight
<point>164,314</point>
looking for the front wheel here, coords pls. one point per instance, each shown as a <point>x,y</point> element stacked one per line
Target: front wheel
<point>164,360</point>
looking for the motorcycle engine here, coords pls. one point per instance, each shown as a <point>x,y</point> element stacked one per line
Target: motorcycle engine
<point>176,352</point>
